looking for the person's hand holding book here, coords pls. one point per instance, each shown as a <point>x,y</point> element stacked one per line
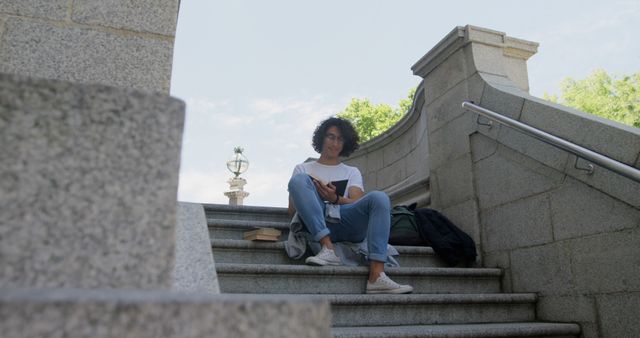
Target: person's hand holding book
<point>327,192</point>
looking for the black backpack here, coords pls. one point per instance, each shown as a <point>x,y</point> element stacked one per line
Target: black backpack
<point>450,243</point>
<point>428,227</point>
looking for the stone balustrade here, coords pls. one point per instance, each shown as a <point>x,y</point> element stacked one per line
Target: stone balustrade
<point>570,236</point>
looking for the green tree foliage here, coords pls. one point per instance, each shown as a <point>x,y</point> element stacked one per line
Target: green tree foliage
<point>371,120</point>
<point>600,94</point>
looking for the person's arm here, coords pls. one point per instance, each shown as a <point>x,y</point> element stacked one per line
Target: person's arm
<point>355,194</point>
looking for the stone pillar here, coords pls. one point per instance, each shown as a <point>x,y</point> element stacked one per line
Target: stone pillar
<point>237,194</point>
<point>455,71</point>
<point>88,184</point>
<point>126,44</point>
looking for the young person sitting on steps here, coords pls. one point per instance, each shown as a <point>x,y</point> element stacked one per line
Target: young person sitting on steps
<point>361,215</point>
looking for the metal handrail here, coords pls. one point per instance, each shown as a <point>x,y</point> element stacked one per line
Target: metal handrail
<point>589,155</point>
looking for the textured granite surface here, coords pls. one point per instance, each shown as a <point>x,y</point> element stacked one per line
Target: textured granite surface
<point>302,279</point>
<point>88,183</point>
<point>49,50</point>
<point>462,330</point>
<point>154,314</point>
<point>194,269</point>
<point>153,16</point>
<point>50,9</point>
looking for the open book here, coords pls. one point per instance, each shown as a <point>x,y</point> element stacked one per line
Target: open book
<point>341,186</point>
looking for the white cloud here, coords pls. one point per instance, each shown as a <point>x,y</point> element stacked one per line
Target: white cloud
<point>618,17</point>
<point>268,188</point>
<point>202,186</point>
<point>275,133</point>
<point>582,43</point>
<point>265,187</point>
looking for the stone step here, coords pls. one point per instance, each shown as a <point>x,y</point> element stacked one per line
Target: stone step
<point>303,279</point>
<point>255,252</point>
<point>235,228</point>
<point>251,252</point>
<point>246,213</point>
<point>525,329</point>
<point>129,313</point>
<point>423,309</point>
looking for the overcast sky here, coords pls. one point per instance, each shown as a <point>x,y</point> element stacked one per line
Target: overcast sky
<point>262,74</point>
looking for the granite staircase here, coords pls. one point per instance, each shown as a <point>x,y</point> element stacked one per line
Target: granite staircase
<point>447,302</point>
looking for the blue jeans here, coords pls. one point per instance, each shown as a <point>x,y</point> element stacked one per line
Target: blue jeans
<point>369,217</point>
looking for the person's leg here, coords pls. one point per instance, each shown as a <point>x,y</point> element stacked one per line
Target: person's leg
<point>370,216</point>
<point>310,208</point>
<point>309,205</point>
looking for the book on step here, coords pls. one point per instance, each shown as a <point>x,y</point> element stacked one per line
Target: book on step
<point>262,234</point>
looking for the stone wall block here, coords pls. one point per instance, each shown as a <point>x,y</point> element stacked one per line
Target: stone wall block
<point>455,181</point>
<point>500,259</point>
<point>446,76</point>
<point>152,16</point>
<point>579,210</point>
<point>516,70</point>
<point>420,126</point>
<point>486,59</point>
<point>619,314</point>
<point>436,201</point>
<point>374,161</point>
<point>423,145</point>
<point>45,50</point>
<point>451,141</point>
<point>399,148</point>
<point>607,137</point>
<point>574,308</point>
<point>50,9</point>
<point>499,100</point>
<point>447,107</point>
<point>521,223</point>
<point>411,161</point>
<point>482,147</point>
<point>545,269</point>
<point>423,150</point>
<point>606,181</point>
<point>499,82</point>
<point>508,176</point>
<point>475,87</point>
<point>370,181</point>
<point>607,262</point>
<point>542,152</point>
<point>465,216</point>
<point>88,185</point>
<point>391,175</point>
<point>359,162</point>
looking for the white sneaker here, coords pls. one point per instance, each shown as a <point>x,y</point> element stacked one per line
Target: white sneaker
<point>384,284</point>
<point>326,256</point>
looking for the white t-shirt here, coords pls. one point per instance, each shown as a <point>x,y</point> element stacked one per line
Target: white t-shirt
<point>330,173</point>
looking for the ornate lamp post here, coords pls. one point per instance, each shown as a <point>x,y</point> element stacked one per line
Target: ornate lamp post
<point>237,164</point>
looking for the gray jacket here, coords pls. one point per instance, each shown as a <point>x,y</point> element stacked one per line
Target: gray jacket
<point>350,253</point>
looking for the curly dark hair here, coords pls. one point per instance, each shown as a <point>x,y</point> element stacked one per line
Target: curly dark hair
<point>349,135</point>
